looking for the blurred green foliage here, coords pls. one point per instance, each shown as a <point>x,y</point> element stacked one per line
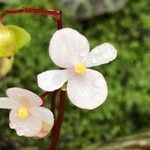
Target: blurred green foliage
<point>127,107</point>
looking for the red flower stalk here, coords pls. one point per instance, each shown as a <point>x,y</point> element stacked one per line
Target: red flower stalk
<point>57,15</point>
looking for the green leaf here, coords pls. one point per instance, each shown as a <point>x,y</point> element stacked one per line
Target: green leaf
<point>22,37</point>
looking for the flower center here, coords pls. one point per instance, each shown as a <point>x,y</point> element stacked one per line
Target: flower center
<point>80,68</point>
<point>23,113</point>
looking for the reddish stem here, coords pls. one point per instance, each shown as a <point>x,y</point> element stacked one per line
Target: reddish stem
<point>43,97</point>
<point>57,126</point>
<point>56,14</point>
<point>53,102</point>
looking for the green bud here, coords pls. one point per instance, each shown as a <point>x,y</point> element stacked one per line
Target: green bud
<point>12,39</point>
<point>5,65</point>
<point>7,42</point>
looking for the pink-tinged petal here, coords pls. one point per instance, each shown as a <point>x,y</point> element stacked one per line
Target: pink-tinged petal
<point>7,103</point>
<point>88,91</point>
<point>100,55</point>
<point>24,97</point>
<point>46,128</point>
<point>43,114</point>
<point>68,47</point>
<point>28,127</point>
<point>52,80</point>
<point>46,116</point>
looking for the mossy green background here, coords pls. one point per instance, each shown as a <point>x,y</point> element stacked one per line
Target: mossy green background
<point>126,110</point>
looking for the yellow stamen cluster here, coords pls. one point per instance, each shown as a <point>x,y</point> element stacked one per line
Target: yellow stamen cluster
<point>80,68</point>
<point>23,113</point>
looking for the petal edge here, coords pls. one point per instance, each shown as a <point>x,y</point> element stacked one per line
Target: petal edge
<point>67,47</point>
<point>52,80</point>
<point>89,91</point>
<point>101,54</point>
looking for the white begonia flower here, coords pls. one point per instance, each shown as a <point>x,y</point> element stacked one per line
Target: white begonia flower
<point>26,115</point>
<point>69,49</point>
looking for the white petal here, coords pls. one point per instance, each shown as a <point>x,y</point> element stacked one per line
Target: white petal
<point>88,91</point>
<point>43,114</point>
<point>29,127</point>
<point>68,47</point>
<point>46,116</point>
<point>24,97</point>
<point>7,103</point>
<point>101,55</point>
<point>52,80</point>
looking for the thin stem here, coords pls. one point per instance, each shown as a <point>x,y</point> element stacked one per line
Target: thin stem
<point>53,102</point>
<point>43,97</point>
<point>56,14</point>
<point>57,126</point>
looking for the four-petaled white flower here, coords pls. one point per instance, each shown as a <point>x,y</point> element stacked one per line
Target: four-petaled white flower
<point>26,115</point>
<point>69,49</point>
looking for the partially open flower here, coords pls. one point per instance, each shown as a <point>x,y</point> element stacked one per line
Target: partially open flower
<point>26,115</point>
<point>69,49</point>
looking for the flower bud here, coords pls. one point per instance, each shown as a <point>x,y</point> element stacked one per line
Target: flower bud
<point>7,42</point>
<point>5,65</point>
<point>12,39</point>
